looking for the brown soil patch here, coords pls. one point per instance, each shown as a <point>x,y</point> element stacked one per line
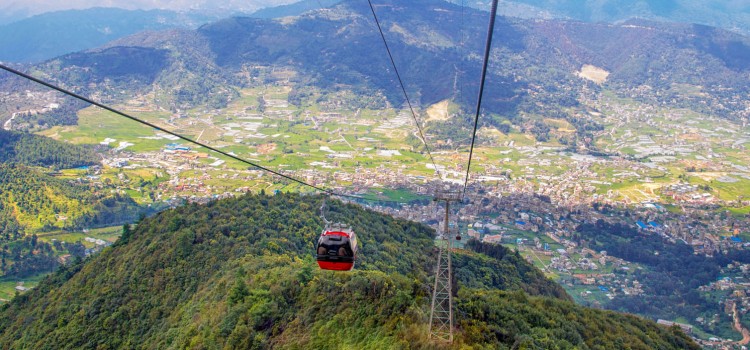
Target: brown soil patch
<point>266,148</point>
<point>691,137</point>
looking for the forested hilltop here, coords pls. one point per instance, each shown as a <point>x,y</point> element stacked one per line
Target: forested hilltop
<point>33,200</point>
<point>34,150</point>
<point>239,273</point>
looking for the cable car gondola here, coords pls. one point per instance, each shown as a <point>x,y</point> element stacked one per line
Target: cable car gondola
<point>337,248</point>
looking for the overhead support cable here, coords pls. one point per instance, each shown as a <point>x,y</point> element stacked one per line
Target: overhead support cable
<point>403,89</point>
<point>459,90</point>
<point>141,121</point>
<point>487,49</point>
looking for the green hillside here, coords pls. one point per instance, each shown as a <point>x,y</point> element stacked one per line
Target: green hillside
<point>32,200</point>
<point>239,274</point>
<point>29,149</point>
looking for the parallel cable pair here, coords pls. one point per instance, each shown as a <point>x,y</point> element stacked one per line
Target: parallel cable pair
<point>488,46</point>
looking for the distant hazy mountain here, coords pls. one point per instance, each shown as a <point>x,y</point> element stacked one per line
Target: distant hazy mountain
<point>11,16</point>
<point>733,15</point>
<point>730,14</point>
<point>12,10</point>
<point>294,9</point>
<point>53,34</point>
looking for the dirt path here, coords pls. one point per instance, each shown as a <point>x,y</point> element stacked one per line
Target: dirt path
<point>738,326</point>
<point>7,124</point>
<point>347,142</point>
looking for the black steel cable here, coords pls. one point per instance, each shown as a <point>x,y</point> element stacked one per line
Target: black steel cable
<point>487,48</point>
<point>462,50</point>
<point>403,89</point>
<point>85,99</point>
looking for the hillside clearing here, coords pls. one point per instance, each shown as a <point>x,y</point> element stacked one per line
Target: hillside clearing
<point>593,73</point>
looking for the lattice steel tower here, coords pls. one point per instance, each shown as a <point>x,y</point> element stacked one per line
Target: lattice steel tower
<point>441,313</point>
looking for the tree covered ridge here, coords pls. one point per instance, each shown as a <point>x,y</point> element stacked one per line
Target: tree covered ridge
<point>32,201</point>
<point>498,267</point>
<point>240,274</point>
<point>513,320</point>
<point>672,274</point>
<point>34,150</point>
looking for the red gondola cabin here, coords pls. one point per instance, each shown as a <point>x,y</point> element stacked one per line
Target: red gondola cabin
<point>337,248</point>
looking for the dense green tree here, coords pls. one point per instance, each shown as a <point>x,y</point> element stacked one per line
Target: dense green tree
<point>31,201</point>
<point>34,150</point>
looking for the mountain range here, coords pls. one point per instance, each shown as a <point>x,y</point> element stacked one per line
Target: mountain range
<point>40,30</point>
<point>11,11</point>
<point>535,65</point>
<point>732,15</point>
<point>53,34</point>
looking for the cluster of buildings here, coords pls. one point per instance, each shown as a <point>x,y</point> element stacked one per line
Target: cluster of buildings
<point>685,192</point>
